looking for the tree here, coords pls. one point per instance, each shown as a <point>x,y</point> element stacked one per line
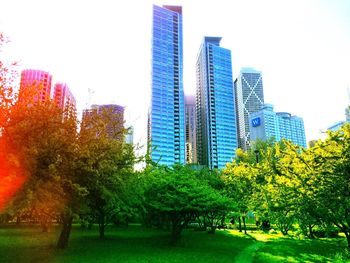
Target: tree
<point>177,196</point>
<point>329,173</point>
<point>11,177</point>
<point>106,163</point>
<point>238,179</point>
<point>44,146</point>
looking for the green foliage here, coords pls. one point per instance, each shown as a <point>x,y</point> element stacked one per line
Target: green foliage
<point>290,184</point>
<point>106,165</point>
<point>179,195</point>
<point>137,244</point>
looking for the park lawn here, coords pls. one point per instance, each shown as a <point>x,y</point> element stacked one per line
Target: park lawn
<point>302,250</point>
<point>137,244</point>
<point>279,248</point>
<point>132,244</point>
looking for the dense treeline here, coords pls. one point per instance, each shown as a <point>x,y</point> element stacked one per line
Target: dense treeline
<point>53,172</point>
<point>295,187</point>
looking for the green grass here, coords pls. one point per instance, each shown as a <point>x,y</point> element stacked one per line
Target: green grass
<point>137,244</point>
<point>279,248</point>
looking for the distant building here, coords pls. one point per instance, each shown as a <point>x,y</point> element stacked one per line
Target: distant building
<point>64,99</point>
<point>129,137</point>
<point>35,85</point>
<point>336,126</point>
<point>249,98</point>
<point>112,116</point>
<point>215,108</point>
<point>266,124</point>
<point>166,124</point>
<point>190,120</point>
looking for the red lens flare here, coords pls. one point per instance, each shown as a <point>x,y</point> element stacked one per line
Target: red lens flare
<point>11,179</point>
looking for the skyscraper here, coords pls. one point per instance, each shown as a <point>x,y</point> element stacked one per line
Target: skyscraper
<point>216,121</point>
<point>266,124</point>
<point>35,85</point>
<point>64,99</point>
<point>166,118</point>
<point>249,97</point>
<point>190,120</point>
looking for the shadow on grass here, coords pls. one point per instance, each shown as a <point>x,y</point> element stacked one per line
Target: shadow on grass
<point>26,244</point>
<point>137,244</point>
<point>295,250</point>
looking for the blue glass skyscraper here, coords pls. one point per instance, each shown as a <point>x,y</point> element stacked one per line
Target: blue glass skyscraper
<point>166,118</point>
<point>216,121</point>
<point>266,124</point>
<point>249,95</point>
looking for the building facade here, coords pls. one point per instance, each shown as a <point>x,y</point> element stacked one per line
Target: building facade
<point>190,120</point>
<point>129,137</point>
<point>64,99</point>
<point>215,109</point>
<point>167,117</point>
<point>35,85</point>
<point>266,124</point>
<point>112,117</point>
<point>249,98</point>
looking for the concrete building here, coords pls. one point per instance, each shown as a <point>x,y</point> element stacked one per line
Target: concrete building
<point>64,99</point>
<point>35,85</point>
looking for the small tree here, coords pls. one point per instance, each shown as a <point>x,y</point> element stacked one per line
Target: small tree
<point>177,195</point>
<point>106,163</point>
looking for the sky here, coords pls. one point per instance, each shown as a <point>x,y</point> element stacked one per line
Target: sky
<point>102,50</point>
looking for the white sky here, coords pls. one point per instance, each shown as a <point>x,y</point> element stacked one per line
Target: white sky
<point>302,48</point>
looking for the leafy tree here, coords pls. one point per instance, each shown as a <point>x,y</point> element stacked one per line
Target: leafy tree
<point>44,146</point>
<point>238,178</point>
<point>106,163</point>
<point>177,196</point>
<point>329,172</point>
<point>11,178</point>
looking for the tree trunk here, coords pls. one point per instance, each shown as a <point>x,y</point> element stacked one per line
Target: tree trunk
<point>240,224</point>
<point>101,225</point>
<point>18,220</point>
<point>65,232</point>
<point>311,233</point>
<point>212,224</point>
<point>176,229</point>
<point>175,233</point>
<point>44,227</point>
<point>347,234</point>
<point>245,228</point>
<point>45,224</point>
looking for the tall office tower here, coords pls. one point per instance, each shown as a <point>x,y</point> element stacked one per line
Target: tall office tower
<point>36,84</point>
<point>249,96</point>
<point>266,124</point>
<point>64,99</point>
<point>167,116</point>
<point>190,120</point>
<point>112,116</point>
<point>215,109</point>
